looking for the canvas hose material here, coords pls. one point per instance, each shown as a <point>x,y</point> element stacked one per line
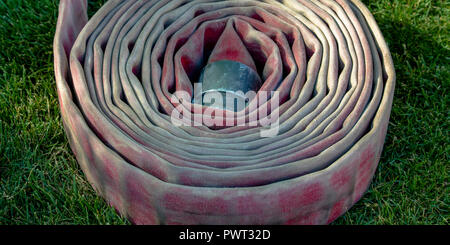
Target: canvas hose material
<point>117,72</point>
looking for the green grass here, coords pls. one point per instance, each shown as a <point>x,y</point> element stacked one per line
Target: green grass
<point>41,183</point>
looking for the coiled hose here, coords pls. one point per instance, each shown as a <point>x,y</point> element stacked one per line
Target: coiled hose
<point>117,73</point>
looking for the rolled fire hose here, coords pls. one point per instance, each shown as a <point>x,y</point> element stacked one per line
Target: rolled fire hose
<point>324,61</point>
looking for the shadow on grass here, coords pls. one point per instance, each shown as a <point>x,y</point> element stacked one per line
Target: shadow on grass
<point>410,178</point>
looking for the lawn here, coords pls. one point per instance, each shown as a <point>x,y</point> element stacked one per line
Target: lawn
<point>41,183</point>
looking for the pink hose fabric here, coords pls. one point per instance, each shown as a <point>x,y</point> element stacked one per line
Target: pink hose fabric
<point>117,72</point>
